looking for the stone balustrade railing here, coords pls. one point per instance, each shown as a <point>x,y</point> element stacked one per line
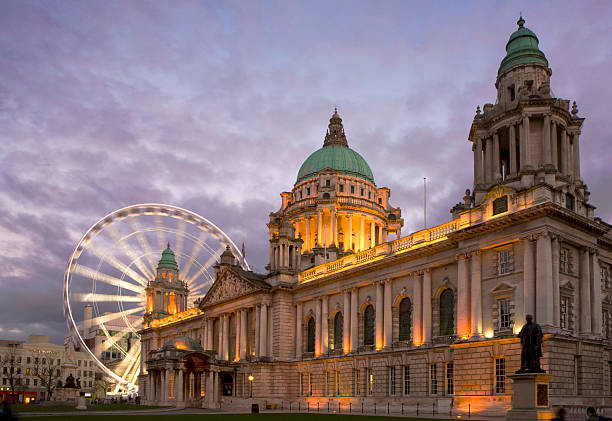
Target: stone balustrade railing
<point>342,200</point>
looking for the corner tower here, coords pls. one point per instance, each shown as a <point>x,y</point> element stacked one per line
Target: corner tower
<point>334,208</point>
<point>167,293</point>
<point>528,137</point>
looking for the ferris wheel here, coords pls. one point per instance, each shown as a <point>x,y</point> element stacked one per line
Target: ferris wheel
<point>108,271</point>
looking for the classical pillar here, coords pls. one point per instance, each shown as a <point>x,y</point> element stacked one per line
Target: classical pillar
<point>585,291</point>
<point>388,322</point>
<point>209,334</point>
<point>427,328</point>
<point>307,239</point>
<point>544,281</point>
<point>512,146</point>
<point>417,314</point>
<point>166,384</point>
<point>463,297</point>
<point>546,147</point>
<point>362,234</point>
<point>477,148</point>
<point>237,321</point>
<point>564,151</point>
<point>324,324</point>
<point>220,338</point>
<point>385,235</point>
<point>348,242</point>
<point>489,170</point>
<point>334,227</point>
<point>555,280</point>
<point>257,330</point>
<point>576,154</point>
<point>528,277</point>
<point>596,310</point>
<point>179,387</point>
<point>527,142</point>
<point>372,234</point>
<point>476,295</point>
<point>496,157</point>
<point>298,331</point>
<point>319,228</point>
<point>215,388</point>
<point>379,315</point>
<point>150,389</point>
<point>553,144</point>
<point>354,320</point>
<point>263,331</point>
<point>226,323</point>
<point>346,322</point>
<point>271,258</point>
<point>243,334</point>
<point>318,327</point>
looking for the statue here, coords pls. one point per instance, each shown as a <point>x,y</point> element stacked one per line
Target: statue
<point>70,382</point>
<point>78,382</point>
<point>531,347</point>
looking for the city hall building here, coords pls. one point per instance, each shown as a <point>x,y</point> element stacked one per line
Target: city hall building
<point>345,314</point>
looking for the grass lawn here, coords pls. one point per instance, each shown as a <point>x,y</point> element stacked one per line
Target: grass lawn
<point>230,417</point>
<point>66,408</point>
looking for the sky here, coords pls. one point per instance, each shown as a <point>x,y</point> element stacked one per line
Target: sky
<point>214,105</point>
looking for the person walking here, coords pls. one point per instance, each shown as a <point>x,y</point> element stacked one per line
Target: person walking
<point>592,415</point>
<point>561,415</point>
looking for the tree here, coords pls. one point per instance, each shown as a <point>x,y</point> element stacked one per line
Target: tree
<point>11,370</point>
<point>102,384</point>
<point>48,370</point>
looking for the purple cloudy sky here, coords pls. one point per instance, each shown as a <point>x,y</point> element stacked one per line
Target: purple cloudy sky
<point>213,106</point>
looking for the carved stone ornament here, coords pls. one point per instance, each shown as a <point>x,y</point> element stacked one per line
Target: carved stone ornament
<point>227,287</point>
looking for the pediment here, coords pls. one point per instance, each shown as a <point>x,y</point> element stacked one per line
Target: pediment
<point>228,286</point>
<point>502,288</point>
<point>498,191</point>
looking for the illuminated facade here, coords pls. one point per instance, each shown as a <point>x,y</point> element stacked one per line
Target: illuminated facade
<point>347,315</point>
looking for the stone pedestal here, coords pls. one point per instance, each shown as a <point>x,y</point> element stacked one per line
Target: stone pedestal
<point>81,403</point>
<point>530,397</point>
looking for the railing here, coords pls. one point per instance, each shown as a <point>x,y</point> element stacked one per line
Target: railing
<point>342,200</point>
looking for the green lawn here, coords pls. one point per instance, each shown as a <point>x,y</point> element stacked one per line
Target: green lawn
<point>65,408</point>
<point>231,417</point>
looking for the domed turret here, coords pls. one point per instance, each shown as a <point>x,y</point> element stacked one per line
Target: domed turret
<point>168,260</point>
<point>522,48</point>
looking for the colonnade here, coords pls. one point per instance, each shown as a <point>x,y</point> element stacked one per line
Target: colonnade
<point>557,147</point>
<point>182,386</point>
<point>242,345</point>
<point>169,301</point>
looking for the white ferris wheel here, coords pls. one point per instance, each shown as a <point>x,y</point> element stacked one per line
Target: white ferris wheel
<point>108,271</point>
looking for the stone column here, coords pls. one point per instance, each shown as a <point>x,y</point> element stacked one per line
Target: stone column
<point>263,331</point>
<point>243,334</point>
<point>308,241</point>
<point>179,388</point>
<point>362,234</point>
<point>477,149</point>
<point>463,297</point>
<point>354,320</point>
<point>427,328</point>
<point>209,334</point>
<point>576,154</point>
<point>489,170</point>
<point>476,295</point>
<point>238,331</point>
<point>209,389</point>
<point>555,280</point>
<point>385,235</point>
<point>318,316</point>
<point>372,234</point>
<point>546,147</point>
<point>298,331</point>
<point>527,142</point>
<point>332,227</point>
<point>150,391</point>
<point>553,144</point>
<point>564,151</point>
<point>496,158</point>
<point>596,310</point>
<point>257,330</point>
<point>226,336</point>
<point>417,314</point>
<point>319,228</point>
<point>585,291</point>
<point>215,388</point>
<point>166,387</point>
<point>544,281</point>
<point>348,243</point>
<point>379,315</point>
<point>512,146</point>
<point>346,322</point>
<point>388,322</point>
<point>325,324</point>
<point>528,277</point>
<point>220,338</point>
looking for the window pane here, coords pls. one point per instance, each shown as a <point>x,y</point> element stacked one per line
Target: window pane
<point>405,316</point>
<point>311,335</point>
<point>338,331</point>
<point>447,313</point>
<point>368,326</point>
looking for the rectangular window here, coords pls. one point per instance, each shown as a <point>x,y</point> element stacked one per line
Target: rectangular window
<point>309,384</point>
<point>361,192</point>
<point>78,363</point>
<point>301,384</point>
<point>369,195</point>
<point>35,382</point>
<point>380,200</point>
<point>563,260</point>
<point>406,380</point>
<point>605,276</point>
<point>337,382</point>
<point>27,382</point>
<point>327,183</point>
<point>326,391</point>
<point>433,379</point>
<point>503,261</point>
<point>352,189</point>
<point>28,360</point>
<point>504,314</point>
<point>563,310</point>
<point>450,379</point>
<point>370,382</point>
<point>341,188</point>
<point>605,321</point>
<point>569,201</point>
<point>500,375</point>
<point>392,381</point>
<point>356,388</point>
<point>308,191</point>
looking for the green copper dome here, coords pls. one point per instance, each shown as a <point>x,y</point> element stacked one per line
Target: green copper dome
<point>167,261</point>
<point>522,48</point>
<point>335,154</point>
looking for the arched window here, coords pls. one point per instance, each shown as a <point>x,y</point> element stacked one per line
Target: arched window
<point>338,330</point>
<point>368,325</point>
<point>447,313</point>
<point>310,345</point>
<point>405,319</point>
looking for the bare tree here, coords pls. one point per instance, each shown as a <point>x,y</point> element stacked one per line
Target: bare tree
<point>11,368</point>
<point>102,384</point>
<point>48,370</point>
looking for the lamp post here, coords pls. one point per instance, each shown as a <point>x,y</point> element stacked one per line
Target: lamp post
<point>251,382</point>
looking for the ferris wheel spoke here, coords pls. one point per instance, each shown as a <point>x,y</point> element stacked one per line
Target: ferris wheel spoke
<point>143,242</point>
<point>119,265</point>
<point>108,279</point>
<point>113,341</point>
<point>180,236</point>
<point>197,246</point>
<point>200,287</point>
<point>161,234</point>
<point>130,252</point>
<point>100,298</point>
<point>206,265</point>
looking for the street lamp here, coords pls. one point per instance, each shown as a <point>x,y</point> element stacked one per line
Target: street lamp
<point>251,381</point>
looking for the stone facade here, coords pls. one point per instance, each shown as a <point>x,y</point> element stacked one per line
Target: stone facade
<point>429,318</point>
